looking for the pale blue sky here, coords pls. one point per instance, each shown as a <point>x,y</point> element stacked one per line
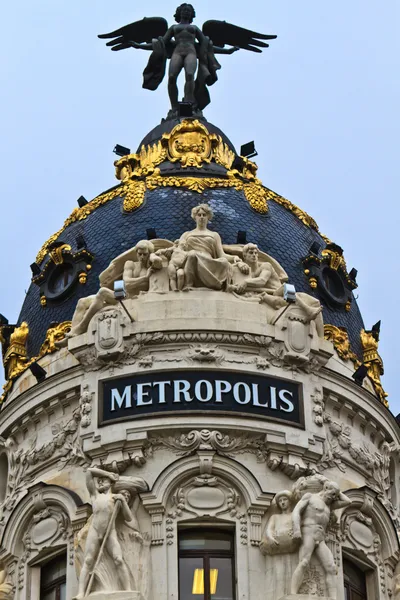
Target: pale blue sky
<point>322,104</point>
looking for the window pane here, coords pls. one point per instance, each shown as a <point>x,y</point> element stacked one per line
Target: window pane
<point>200,540</point>
<point>221,579</point>
<point>63,591</point>
<point>53,570</point>
<point>48,596</point>
<point>191,579</point>
<point>354,578</point>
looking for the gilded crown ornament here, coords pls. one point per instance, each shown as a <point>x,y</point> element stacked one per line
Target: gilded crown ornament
<point>188,48</point>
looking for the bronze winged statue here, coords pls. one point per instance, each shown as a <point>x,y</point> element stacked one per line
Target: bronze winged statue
<point>188,48</point>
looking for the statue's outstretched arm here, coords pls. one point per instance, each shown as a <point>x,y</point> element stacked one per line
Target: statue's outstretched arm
<point>141,46</point>
<point>219,50</point>
<point>96,472</point>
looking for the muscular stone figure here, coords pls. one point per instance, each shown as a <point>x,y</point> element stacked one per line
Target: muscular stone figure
<point>310,522</point>
<point>104,507</point>
<point>136,276</point>
<point>263,280</point>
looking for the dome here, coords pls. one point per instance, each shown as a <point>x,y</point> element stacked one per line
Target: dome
<point>155,199</point>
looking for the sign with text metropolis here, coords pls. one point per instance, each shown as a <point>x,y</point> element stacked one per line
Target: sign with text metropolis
<point>160,393</point>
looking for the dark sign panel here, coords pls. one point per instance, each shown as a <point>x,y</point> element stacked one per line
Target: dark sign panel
<point>198,391</point>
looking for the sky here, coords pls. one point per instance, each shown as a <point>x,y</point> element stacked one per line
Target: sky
<point>322,104</point>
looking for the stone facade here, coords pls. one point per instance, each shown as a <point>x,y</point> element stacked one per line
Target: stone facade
<point>110,474</point>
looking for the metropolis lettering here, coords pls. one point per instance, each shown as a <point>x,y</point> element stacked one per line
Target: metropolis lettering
<point>139,395</point>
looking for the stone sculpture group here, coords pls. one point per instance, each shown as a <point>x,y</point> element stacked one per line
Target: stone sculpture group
<point>197,260</point>
<point>304,527</point>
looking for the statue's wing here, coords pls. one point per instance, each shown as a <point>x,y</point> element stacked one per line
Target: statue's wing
<point>222,33</point>
<point>139,32</point>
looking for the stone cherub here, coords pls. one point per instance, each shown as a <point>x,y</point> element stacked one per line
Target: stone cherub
<point>134,266</point>
<point>102,542</point>
<point>311,517</point>
<point>188,48</point>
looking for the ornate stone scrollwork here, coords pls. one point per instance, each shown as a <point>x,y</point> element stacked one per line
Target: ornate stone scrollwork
<point>339,443</point>
<point>49,526</point>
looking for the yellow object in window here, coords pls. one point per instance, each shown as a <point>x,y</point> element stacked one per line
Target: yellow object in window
<point>198,581</point>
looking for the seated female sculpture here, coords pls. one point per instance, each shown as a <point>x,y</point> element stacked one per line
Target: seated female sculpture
<point>206,265</point>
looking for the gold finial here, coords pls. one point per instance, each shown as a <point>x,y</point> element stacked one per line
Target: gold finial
<point>82,277</point>
<point>16,357</point>
<point>374,363</point>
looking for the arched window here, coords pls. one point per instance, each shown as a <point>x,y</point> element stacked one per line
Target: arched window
<point>354,582</point>
<point>206,565</point>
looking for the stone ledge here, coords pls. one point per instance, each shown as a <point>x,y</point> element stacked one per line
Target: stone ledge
<point>305,597</point>
<point>114,596</point>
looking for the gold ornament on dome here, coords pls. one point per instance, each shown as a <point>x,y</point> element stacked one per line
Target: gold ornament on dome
<point>340,339</point>
<point>54,334</point>
<point>374,363</point>
<point>192,145</point>
<point>336,258</point>
<point>189,143</point>
<point>56,254</point>
<point>16,359</point>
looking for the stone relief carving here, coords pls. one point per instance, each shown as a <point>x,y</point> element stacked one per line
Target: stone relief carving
<point>311,518</point>
<point>65,448</point>
<point>108,328</point>
<point>319,406</point>
<point>339,440</point>
<point>143,349</point>
<point>185,444</point>
<point>111,554</point>
<point>85,404</point>
<point>65,445</point>
<point>358,532</point>
<point>17,477</point>
<point>278,537</point>
<point>49,526</point>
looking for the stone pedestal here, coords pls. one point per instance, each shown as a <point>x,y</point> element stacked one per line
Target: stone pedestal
<point>115,596</point>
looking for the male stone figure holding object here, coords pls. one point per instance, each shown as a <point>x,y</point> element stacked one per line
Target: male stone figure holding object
<point>136,276</point>
<point>311,517</point>
<point>102,529</point>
